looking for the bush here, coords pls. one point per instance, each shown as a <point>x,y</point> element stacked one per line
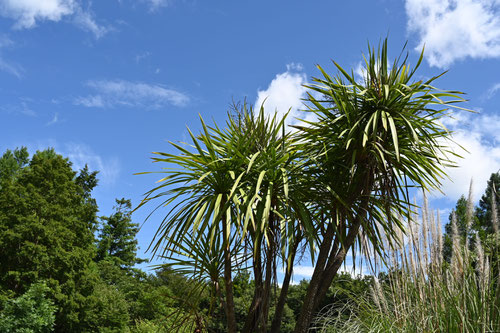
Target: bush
<point>31,312</point>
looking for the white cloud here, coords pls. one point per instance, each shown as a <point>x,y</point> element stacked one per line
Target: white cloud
<point>141,56</point>
<point>156,4</point>
<point>360,72</point>
<point>54,120</point>
<point>11,68</point>
<point>22,107</point>
<point>303,271</point>
<point>285,92</point>
<point>81,154</point>
<point>91,101</point>
<point>27,13</point>
<point>111,93</point>
<point>293,66</point>
<point>455,29</point>
<point>7,66</point>
<point>86,22</point>
<point>493,90</point>
<point>480,136</point>
<point>306,272</point>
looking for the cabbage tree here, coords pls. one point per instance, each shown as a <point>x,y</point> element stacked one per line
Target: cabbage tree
<point>374,138</point>
<point>233,203</point>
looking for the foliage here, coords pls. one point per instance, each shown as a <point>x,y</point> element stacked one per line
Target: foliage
<point>372,140</point>
<point>341,178</point>
<point>47,226</point>
<point>31,312</point>
<point>117,237</point>
<point>231,192</point>
<point>46,232</point>
<point>423,293</point>
<point>472,221</point>
<point>107,310</point>
<point>12,161</point>
<point>484,211</point>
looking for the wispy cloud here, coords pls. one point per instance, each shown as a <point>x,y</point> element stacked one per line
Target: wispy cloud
<point>27,13</point>
<point>11,68</point>
<point>5,65</point>
<point>95,101</point>
<point>154,5</point>
<point>110,93</point>
<point>22,107</point>
<point>141,56</point>
<point>54,120</point>
<point>455,29</point>
<point>85,20</point>
<point>493,90</point>
<point>81,154</point>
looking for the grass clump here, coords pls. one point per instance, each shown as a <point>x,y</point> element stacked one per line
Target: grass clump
<point>422,292</point>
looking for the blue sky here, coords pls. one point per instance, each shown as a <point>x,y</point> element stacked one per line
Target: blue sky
<point>108,82</point>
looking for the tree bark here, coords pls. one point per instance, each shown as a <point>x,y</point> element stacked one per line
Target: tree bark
<point>327,271</point>
<point>278,314</point>
<point>335,261</point>
<point>264,311</point>
<point>228,280</point>
<point>306,312</point>
<point>252,317</point>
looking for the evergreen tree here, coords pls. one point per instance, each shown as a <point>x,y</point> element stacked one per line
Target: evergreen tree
<point>460,211</point>
<point>47,221</point>
<point>481,223</point>
<point>117,240</point>
<point>483,212</point>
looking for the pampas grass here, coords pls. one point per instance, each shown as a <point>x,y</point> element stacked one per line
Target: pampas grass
<point>422,292</point>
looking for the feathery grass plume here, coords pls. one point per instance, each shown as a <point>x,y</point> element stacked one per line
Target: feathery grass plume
<point>412,268</point>
<point>456,253</point>
<point>439,238</point>
<point>470,205</point>
<point>480,264</point>
<point>468,218</point>
<point>494,213</point>
<point>487,274</point>
<point>375,298</point>
<point>400,235</point>
<point>380,294</point>
<point>435,242</point>
<point>425,217</point>
<point>457,298</point>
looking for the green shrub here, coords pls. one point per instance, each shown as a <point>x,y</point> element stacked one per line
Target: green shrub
<point>31,312</point>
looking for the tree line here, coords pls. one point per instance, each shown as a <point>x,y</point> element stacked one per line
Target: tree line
<point>64,269</point>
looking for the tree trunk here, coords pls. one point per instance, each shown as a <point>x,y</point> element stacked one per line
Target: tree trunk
<point>323,274</point>
<point>306,312</point>
<point>252,317</point>
<point>228,280</point>
<point>278,314</point>
<point>335,261</point>
<point>264,311</point>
